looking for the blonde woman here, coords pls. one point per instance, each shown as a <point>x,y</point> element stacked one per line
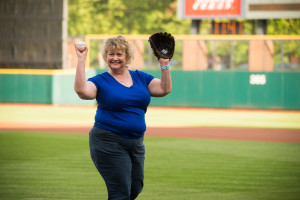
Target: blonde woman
<point>123,95</point>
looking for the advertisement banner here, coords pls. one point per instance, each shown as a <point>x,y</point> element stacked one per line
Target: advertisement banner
<point>212,8</point>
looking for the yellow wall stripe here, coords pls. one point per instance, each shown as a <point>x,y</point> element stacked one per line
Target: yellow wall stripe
<point>38,71</point>
<point>204,37</point>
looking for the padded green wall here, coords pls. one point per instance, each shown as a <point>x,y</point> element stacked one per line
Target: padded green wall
<point>44,89</point>
<point>63,90</point>
<point>225,89</point>
<point>25,88</point>
<point>231,90</point>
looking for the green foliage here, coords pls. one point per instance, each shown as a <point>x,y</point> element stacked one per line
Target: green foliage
<point>284,27</point>
<point>241,51</point>
<point>290,48</point>
<point>149,16</point>
<point>124,17</point>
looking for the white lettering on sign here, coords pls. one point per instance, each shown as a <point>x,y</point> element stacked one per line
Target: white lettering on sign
<point>213,4</point>
<point>258,79</point>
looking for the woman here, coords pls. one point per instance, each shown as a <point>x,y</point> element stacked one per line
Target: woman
<point>116,140</point>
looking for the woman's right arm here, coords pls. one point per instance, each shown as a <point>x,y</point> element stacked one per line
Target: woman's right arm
<point>85,89</point>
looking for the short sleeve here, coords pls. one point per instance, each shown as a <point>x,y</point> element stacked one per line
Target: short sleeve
<point>94,80</point>
<point>147,78</point>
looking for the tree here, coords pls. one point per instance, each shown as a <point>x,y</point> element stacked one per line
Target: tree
<point>124,17</point>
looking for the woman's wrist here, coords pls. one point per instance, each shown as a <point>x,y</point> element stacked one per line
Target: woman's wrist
<point>82,60</point>
<point>164,66</point>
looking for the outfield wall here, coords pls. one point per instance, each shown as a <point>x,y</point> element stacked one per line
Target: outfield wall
<point>263,90</point>
<point>224,89</point>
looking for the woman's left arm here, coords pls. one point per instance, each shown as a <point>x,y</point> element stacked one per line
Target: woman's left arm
<point>163,86</point>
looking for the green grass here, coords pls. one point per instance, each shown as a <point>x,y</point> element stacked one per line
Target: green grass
<point>58,166</point>
<point>157,117</point>
<point>224,118</point>
<point>28,113</point>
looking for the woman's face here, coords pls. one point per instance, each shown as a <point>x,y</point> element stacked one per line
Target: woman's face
<point>116,58</point>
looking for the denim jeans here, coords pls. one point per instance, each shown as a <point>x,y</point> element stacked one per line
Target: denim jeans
<point>120,162</point>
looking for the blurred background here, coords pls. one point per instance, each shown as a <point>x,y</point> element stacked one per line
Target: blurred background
<point>231,53</point>
<point>235,60</point>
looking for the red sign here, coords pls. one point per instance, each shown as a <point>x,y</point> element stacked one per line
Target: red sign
<point>212,8</point>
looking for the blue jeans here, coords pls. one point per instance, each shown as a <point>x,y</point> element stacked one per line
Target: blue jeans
<point>120,162</point>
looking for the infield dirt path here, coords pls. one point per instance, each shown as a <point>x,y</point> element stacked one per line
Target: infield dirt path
<point>226,133</point>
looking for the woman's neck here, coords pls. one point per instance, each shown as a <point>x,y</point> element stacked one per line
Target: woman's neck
<point>122,77</point>
<point>118,72</point>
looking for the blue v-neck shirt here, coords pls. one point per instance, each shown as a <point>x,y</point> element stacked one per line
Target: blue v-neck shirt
<point>122,109</point>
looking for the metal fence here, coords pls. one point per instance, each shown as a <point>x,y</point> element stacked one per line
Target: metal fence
<point>216,52</point>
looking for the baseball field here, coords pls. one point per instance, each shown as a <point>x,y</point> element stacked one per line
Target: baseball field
<point>191,154</point>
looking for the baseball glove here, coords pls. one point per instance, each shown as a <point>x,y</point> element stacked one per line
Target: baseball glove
<point>162,44</point>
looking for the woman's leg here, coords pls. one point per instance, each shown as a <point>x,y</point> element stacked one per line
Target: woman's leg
<point>112,162</point>
<point>137,158</point>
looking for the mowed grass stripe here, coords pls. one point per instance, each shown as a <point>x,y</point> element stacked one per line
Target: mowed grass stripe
<point>155,116</point>
<point>58,166</point>
<point>46,166</point>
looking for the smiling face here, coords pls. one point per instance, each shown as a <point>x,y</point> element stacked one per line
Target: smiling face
<point>117,51</point>
<point>116,58</point>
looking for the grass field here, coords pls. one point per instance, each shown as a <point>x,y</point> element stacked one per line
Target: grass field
<point>58,166</point>
<point>40,165</point>
<point>156,116</point>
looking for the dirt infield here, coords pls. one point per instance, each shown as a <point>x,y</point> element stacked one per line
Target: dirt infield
<point>225,133</point>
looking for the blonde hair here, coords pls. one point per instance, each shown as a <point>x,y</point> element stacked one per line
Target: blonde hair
<point>119,43</point>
